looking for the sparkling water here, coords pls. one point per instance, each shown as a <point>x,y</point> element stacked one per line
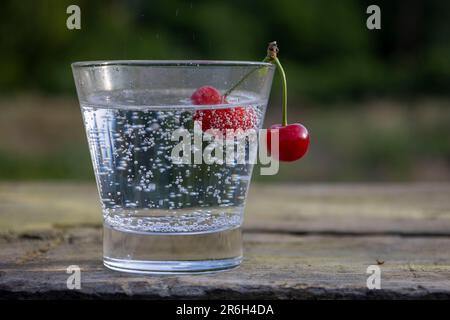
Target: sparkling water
<point>162,210</point>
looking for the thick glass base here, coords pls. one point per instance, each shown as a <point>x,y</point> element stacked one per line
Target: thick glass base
<point>171,267</point>
<point>174,253</point>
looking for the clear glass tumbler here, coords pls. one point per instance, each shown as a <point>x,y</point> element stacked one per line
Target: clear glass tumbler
<point>161,216</point>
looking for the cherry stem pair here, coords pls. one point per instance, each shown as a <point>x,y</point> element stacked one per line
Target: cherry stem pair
<point>272,57</point>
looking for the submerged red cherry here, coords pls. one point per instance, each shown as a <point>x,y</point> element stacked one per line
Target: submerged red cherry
<point>293,141</point>
<point>207,95</point>
<point>221,118</point>
<point>226,119</point>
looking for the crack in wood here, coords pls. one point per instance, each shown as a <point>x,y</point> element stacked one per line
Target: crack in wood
<point>337,233</point>
<point>50,234</point>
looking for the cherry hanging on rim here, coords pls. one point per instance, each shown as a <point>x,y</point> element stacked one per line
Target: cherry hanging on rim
<point>293,138</point>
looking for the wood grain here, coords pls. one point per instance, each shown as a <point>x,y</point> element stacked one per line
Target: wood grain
<point>301,242</point>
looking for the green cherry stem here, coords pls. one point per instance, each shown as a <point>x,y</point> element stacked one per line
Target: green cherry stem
<point>284,81</point>
<point>272,51</point>
<point>237,84</point>
<point>272,56</point>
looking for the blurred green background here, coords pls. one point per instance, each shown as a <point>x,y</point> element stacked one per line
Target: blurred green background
<point>377,102</point>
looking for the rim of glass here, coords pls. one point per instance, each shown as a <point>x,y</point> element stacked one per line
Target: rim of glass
<point>169,63</point>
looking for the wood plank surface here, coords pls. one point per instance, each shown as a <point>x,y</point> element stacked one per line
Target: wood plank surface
<point>301,242</point>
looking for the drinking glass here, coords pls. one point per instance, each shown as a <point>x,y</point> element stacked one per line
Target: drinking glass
<point>160,216</point>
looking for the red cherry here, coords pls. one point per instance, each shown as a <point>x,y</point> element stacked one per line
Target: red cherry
<point>221,119</point>
<point>207,95</point>
<point>226,119</point>
<point>294,141</point>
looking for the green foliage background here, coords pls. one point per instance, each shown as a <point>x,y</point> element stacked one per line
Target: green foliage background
<point>325,45</point>
<point>376,101</point>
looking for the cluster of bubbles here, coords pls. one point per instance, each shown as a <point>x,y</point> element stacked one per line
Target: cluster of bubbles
<point>140,186</point>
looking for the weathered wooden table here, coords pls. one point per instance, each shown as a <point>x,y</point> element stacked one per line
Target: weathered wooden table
<point>301,242</point>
